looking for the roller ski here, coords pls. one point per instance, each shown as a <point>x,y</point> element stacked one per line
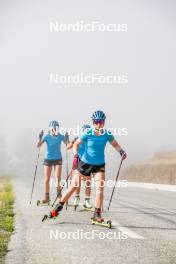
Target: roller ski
<point>45,201</point>
<point>76,202</point>
<point>54,213</point>
<point>98,220</point>
<point>104,223</point>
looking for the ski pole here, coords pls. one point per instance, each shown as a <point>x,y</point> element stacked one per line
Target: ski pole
<point>35,173</point>
<point>68,176</point>
<point>115,183</point>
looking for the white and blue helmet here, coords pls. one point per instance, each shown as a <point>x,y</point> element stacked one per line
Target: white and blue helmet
<point>54,124</point>
<point>98,116</point>
<point>84,127</point>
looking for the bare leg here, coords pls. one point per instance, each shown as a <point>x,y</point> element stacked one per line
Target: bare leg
<point>47,175</point>
<point>87,180</point>
<point>58,171</point>
<point>75,184</point>
<point>100,181</point>
<point>78,191</point>
<point>87,186</point>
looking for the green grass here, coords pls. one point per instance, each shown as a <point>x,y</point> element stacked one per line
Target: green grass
<point>6,214</point>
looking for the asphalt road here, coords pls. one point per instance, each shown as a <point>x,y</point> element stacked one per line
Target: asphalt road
<point>144,230</point>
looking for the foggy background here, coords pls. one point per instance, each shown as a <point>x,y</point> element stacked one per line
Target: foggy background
<point>29,52</point>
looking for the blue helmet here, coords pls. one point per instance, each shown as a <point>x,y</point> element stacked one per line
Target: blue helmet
<point>98,116</point>
<point>54,124</point>
<point>84,127</point>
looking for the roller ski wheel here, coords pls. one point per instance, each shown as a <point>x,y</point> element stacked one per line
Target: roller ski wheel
<point>43,203</point>
<point>102,222</point>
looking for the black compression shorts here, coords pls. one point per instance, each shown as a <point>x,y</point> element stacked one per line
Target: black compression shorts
<point>51,163</point>
<point>87,169</point>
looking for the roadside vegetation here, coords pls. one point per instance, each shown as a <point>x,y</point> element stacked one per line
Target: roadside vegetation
<point>161,168</point>
<point>6,214</point>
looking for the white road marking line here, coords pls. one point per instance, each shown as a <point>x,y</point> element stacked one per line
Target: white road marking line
<point>126,231</point>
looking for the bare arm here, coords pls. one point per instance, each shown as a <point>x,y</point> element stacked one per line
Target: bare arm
<point>70,145</point>
<point>115,144</point>
<point>76,145</point>
<point>117,147</point>
<point>39,143</point>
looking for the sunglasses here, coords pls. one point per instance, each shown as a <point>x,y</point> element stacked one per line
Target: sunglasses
<point>56,129</point>
<point>101,122</point>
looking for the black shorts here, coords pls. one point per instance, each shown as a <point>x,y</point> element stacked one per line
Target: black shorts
<point>51,163</point>
<point>87,169</point>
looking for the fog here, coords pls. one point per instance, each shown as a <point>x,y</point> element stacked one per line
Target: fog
<point>30,52</point>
